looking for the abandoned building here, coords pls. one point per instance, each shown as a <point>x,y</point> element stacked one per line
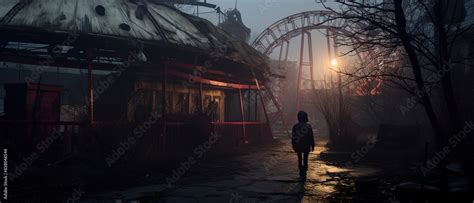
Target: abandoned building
<point>95,71</point>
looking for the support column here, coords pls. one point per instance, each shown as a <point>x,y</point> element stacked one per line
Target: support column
<point>328,44</point>
<point>201,98</point>
<point>334,45</point>
<point>311,65</point>
<point>163,111</point>
<point>339,87</point>
<point>328,36</point>
<point>280,113</point>
<point>300,70</point>
<point>335,56</point>
<point>256,106</point>
<point>242,115</point>
<point>286,88</point>
<point>286,54</point>
<point>262,101</point>
<point>249,104</point>
<point>281,53</point>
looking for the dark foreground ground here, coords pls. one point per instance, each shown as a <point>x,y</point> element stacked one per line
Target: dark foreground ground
<point>263,174</point>
<point>257,174</point>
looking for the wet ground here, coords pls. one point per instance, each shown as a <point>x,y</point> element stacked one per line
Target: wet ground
<point>260,174</point>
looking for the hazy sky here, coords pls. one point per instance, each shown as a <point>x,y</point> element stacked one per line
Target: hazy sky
<point>259,14</point>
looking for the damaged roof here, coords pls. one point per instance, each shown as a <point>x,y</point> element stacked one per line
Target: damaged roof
<point>139,19</point>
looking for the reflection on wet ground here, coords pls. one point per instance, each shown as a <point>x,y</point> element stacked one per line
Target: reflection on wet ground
<point>267,174</point>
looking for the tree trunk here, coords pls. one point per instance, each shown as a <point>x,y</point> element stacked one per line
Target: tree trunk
<point>406,41</point>
<point>444,66</point>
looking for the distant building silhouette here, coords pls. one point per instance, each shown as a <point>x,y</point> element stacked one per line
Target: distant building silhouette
<point>233,25</point>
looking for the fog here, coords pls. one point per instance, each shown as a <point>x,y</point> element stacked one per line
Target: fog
<point>259,14</point>
<point>156,101</point>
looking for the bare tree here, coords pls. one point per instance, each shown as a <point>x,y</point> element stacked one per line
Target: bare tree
<point>410,44</point>
<point>335,110</point>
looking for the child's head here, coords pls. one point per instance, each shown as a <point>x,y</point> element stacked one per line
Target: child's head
<point>302,117</point>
